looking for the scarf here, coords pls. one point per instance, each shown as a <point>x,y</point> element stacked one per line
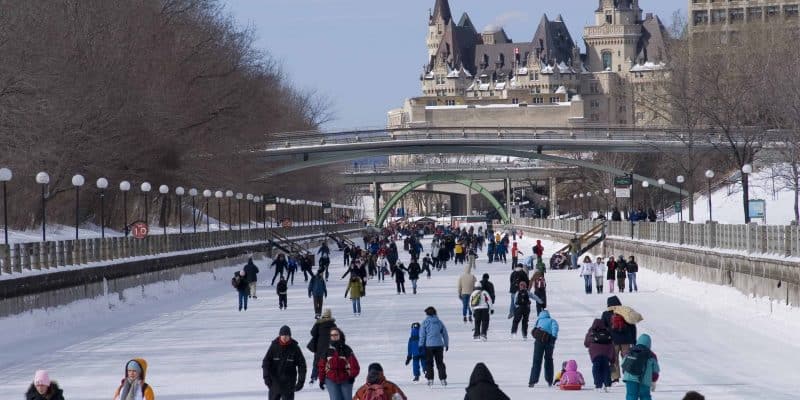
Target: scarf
<point>131,390</point>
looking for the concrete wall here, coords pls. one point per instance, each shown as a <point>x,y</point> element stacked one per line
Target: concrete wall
<point>752,275</point>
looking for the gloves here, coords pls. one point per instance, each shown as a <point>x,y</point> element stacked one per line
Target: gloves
<point>491,311</point>
<point>408,360</point>
<point>268,382</point>
<point>299,385</point>
<point>446,348</point>
<point>322,384</point>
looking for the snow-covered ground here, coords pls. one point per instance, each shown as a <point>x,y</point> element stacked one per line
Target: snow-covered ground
<point>708,338</point>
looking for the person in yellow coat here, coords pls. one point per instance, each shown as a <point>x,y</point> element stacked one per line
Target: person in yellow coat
<point>459,253</point>
<point>133,386</point>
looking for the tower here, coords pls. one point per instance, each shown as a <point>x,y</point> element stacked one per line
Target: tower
<point>438,21</point>
<point>611,44</point>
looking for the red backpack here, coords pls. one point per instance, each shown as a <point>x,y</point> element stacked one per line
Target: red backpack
<point>617,322</point>
<point>375,392</point>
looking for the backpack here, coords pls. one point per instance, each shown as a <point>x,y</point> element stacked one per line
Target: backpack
<point>375,392</point>
<point>523,299</point>
<point>635,362</point>
<point>235,281</point>
<point>617,322</point>
<point>476,298</point>
<point>601,336</point>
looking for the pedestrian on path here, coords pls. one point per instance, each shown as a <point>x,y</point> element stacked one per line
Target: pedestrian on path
<point>399,274</point>
<point>522,309</point>
<point>599,274</point>
<point>587,272</point>
<point>466,283</point>
<point>318,290</point>
<point>283,367</point>
<point>641,370</point>
<point>42,388</point>
<point>356,289</point>
<point>632,268</point>
<point>320,339</point>
<point>482,386</point>
<point>282,291</point>
<point>414,270</point>
<point>239,282</point>
<point>133,385</point>
<point>543,347</point>
<point>434,339</point>
<point>611,273</point>
<point>623,336</point>
<point>338,368</point>
<point>251,274</point>
<point>280,265</point>
<point>481,304</point>
<point>378,387</point>
<point>601,351</point>
<point>415,354</point>
<point>517,276</point>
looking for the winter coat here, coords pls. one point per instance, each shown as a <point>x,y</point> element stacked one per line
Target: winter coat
<point>399,274</point>
<point>488,287</point>
<point>356,289</point>
<point>587,268</point>
<point>597,349</point>
<point>321,335</point>
<point>433,333</point>
<point>383,264</point>
<point>611,273</point>
<point>414,270</point>
<point>571,379</point>
<point>632,267</point>
<point>628,334</point>
<point>481,385</point>
<point>652,369</point>
<point>547,324</point>
<point>324,250</point>
<point>284,366</point>
<point>317,287</point>
<point>390,390</point>
<point>538,249</point>
<point>251,271</point>
<point>444,254</point>
<point>280,264</point>
<point>146,389</point>
<point>519,275</point>
<point>338,363</point>
<point>484,300</point>
<point>414,349</point>
<point>243,286</point>
<point>282,287</point>
<point>466,282</point>
<point>53,393</point>
<point>599,270</point>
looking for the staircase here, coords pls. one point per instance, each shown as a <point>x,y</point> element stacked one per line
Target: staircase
<point>593,236</point>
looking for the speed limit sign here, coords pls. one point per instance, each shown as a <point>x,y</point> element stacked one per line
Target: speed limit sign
<point>139,230</point>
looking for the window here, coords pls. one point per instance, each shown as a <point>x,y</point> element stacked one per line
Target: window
<point>700,17</point>
<point>736,15</point>
<point>773,11</point>
<point>537,100</point>
<point>608,19</point>
<point>515,101</point>
<point>450,102</point>
<point>594,88</point>
<point>594,104</point>
<point>755,13</point>
<point>718,16</point>
<point>606,61</point>
<point>790,11</point>
<point>640,116</point>
<point>554,100</point>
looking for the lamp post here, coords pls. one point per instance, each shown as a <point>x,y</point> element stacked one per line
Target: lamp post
<point>102,184</point>
<point>77,181</point>
<point>249,198</point>
<point>645,185</point>
<point>193,193</point>
<point>239,198</point>
<point>207,195</point>
<point>164,190</point>
<point>5,176</point>
<point>180,191</point>
<point>589,201</point>
<point>145,188</point>
<point>680,179</point>
<point>43,179</point>
<point>709,175</point>
<point>661,183</point>
<point>218,194</point>
<point>229,195</point>
<point>746,170</point>
<point>124,187</point>
<point>582,203</point>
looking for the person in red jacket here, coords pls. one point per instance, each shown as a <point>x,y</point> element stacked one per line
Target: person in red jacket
<point>338,368</point>
<point>538,250</point>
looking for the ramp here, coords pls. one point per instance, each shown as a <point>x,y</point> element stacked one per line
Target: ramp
<point>590,238</point>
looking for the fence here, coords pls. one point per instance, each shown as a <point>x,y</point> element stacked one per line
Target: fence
<point>17,257</point>
<point>751,238</point>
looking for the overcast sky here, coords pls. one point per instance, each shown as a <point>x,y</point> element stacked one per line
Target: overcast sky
<point>366,55</point>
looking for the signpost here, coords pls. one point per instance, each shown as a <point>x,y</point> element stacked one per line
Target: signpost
<point>140,230</point>
<point>758,209</point>
<point>326,207</point>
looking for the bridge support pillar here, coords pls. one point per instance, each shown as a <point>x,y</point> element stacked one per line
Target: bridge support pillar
<point>508,199</point>
<point>376,188</point>
<point>469,200</point>
<point>553,197</point>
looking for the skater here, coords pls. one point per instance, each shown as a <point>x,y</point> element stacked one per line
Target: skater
<point>415,353</point>
<point>306,264</point>
<point>481,304</point>
<point>515,253</point>
<point>239,282</point>
<point>538,250</point>
<point>623,336</point>
<point>346,255</point>
<point>522,309</point>
<point>466,283</point>
<point>427,263</point>
<point>611,273</point>
<point>444,255</point>
<point>283,367</point>
<point>282,290</point>
<point>599,274</point>
<point>490,250</point>
<point>621,274</point>
<point>133,385</point>
<point>324,251</point>
<point>482,386</point>
<point>324,263</point>
<point>517,276</point>
<point>377,385</point>
<point>355,287</point>
<point>413,273</point>
<point>434,339</point>
<point>251,275</point>
<point>488,286</point>
<point>574,250</point>
<point>571,379</point>
<point>601,352</point>
<point>280,266</point>
<point>291,268</point>
<point>641,370</point>
<point>632,268</point>
<point>338,367</point>
<point>587,272</point>
<point>383,267</point>
<point>317,289</point>
<point>42,388</point>
<point>471,257</point>
<point>545,333</point>
<point>320,339</point>
<point>539,289</point>
<point>400,277</point>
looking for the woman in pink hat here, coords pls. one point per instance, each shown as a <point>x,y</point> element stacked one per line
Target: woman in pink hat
<point>42,388</point>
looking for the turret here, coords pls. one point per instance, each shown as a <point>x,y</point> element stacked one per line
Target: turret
<point>438,19</point>
<point>618,12</point>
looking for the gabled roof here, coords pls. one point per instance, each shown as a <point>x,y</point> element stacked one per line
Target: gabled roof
<point>553,41</point>
<point>502,51</point>
<point>441,10</point>
<point>457,48</point>
<point>652,44</point>
<point>466,22</point>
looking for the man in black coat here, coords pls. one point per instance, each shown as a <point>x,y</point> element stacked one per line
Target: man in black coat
<point>488,286</point>
<point>482,386</point>
<point>517,276</point>
<point>320,339</point>
<point>251,275</point>
<point>284,367</point>
<point>623,339</point>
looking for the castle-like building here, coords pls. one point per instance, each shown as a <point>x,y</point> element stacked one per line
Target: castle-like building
<point>487,79</point>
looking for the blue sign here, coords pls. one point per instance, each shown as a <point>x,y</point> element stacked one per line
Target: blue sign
<point>757,208</point>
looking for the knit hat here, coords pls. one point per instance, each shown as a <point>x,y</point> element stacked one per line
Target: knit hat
<point>133,366</point>
<point>613,301</point>
<point>285,331</point>
<point>326,313</point>
<point>41,377</point>
<point>430,311</point>
<point>375,367</point>
<point>485,277</point>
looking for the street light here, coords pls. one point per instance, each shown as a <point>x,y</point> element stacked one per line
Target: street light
<point>239,198</point>
<point>249,198</point>
<point>5,176</point>
<point>229,194</point>
<point>589,201</point>
<point>145,188</point>
<point>124,187</point>
<point>43,179</point>
<point>218,194</point>
<point>709,175</point>
<point>661,183</point>
<point>180,191</point>
<point>680,179</point>
<point>193,193</point>
<point>77,181</point>
<point>746,170</point>
<point>207,195</point>
<point>164,190</point>
<point>102,184</point>
<point>606,192</point>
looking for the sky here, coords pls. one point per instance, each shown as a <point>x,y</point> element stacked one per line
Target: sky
<point>365,56</point>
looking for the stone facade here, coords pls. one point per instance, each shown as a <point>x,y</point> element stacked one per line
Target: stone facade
<point>729,16</point>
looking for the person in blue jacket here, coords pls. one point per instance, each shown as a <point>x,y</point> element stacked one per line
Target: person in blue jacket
<point>317,289</point>
<point>433,337</point>
<point>544,349</point>
<point>415,353</point>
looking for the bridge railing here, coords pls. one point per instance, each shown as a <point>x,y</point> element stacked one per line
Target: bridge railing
<point>776,240</point>
<point>18,257</point>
